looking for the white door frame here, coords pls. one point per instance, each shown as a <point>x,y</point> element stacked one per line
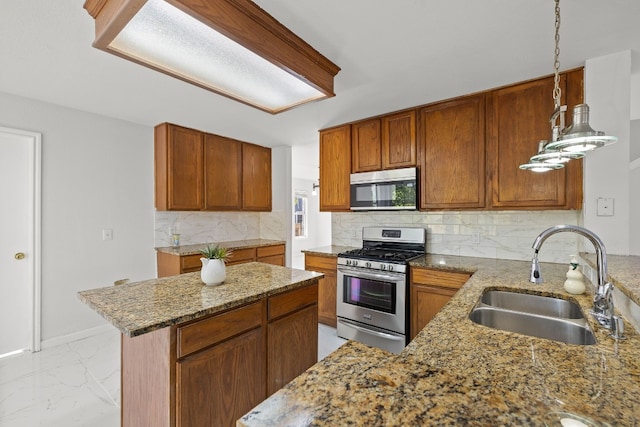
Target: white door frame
<point>34,233</point>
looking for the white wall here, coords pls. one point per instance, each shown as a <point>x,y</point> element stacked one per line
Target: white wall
<point>634,189</point>
<point>606,170</point>
<point>306,171</point>
<point>97,173</point>
<point>277,223</point>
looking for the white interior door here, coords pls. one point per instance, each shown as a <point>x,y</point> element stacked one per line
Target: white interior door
<point>19,250</point>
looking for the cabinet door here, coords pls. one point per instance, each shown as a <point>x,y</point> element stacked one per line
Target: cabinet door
<point>178,168</point>
<point>399,140</point>
<point>452,147</point>
<point>335,168</point>
<point>426,302</point>
<point>293,346</point>
<point>327,286</point>
<point>430,290</point>
<point>518,118</point>
<point>366,145</point>
<point>223,173</point>
<point>256,178</point>
<point>218,385</point>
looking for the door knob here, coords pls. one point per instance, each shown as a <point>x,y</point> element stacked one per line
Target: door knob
<point>19,255</point>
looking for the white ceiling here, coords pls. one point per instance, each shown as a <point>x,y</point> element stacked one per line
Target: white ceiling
<point>393,54</point>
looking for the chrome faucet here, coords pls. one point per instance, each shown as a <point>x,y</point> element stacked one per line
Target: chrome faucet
<point>603,298</point>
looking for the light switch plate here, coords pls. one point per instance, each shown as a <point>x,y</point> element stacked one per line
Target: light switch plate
<point>605,206</point>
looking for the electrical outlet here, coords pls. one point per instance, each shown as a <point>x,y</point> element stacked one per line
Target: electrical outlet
<point>107,234</point>
<point>476,238</point>
<point>605,206</point>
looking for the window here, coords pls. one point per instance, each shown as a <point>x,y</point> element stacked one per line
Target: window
<point>300,214</point>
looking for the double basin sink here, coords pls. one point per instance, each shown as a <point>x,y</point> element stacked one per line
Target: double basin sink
<point>533,315</point>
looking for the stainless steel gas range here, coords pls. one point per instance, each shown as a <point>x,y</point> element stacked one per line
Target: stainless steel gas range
<point>372,293</point>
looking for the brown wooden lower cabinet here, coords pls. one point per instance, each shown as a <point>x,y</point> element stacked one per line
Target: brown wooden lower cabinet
<point>212,371</point>
<point>170,264</point>
<point>218,385</point>
<point>327,287</point>
<point>292,349</point>
<point>430,290</point>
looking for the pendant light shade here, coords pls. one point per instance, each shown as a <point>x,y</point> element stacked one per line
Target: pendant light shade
<point>580,137</point>
<point>541,166</point>
<point>231,47</point>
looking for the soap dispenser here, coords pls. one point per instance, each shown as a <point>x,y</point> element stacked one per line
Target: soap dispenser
<point>575,281</point>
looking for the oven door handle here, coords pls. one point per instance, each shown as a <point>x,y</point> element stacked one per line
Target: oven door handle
<point>354,272</point>
<point>371,332</point>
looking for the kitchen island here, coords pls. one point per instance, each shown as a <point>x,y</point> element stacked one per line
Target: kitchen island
<point>196,355</point>
<point>456,372</point>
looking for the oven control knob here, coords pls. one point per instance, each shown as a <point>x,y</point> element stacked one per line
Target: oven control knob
<point>367,264</point>
<point>391,268</point>
<point>383,267</point>
<point>348,262</point>
<point>355,263</point>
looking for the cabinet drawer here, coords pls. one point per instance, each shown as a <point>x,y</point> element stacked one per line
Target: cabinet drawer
<point>280,305</point>
<point>274,260</point>
<point>206,332</point>
<point>445,279</point>
<point>190,262</point>
<point>320,262</point>
<point>242,255</point>
<point>264,251</point>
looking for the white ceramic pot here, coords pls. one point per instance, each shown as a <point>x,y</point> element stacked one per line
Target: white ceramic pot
<point>213,271</point>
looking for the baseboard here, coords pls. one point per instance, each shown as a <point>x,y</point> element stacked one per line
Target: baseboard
<point>65,339</point>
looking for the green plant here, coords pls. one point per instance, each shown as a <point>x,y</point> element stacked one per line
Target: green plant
<point>216,252</point>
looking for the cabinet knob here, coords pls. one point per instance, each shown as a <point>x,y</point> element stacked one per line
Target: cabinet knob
<point>19,255</point>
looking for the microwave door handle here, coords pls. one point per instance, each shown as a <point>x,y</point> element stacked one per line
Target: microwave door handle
<point>371,332</point>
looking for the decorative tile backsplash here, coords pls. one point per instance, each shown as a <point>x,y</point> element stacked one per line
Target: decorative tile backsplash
<point>204,227</point>
<point>495,234</point>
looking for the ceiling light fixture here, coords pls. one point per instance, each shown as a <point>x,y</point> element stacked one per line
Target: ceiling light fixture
<point>571,142</point>
<point>231,47</point>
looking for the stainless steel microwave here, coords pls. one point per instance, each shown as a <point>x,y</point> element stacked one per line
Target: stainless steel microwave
<point>394,189</point>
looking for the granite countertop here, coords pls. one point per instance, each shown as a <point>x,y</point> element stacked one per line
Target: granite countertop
<point>232,244</point>
<point>456,372</point>
<point>141,307</point>
<point>328,251</point>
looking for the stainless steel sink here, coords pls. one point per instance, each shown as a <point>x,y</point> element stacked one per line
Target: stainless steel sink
<point>533,315</point>
<point>534,304</point>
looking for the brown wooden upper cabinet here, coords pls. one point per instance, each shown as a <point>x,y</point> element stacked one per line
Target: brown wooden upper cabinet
<point>366,146</point>
<point>468,150</point>
<point>256,177</point>
<point>199,171</point>
<point>335,168</point>
<point>223,173</point>
<point>399,140</point>
<point>382,143</point>
<point>452,151</point>
<point>178,168</point>
<point>517,119</point>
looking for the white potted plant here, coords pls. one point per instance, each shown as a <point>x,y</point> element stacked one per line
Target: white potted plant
<point>213,264</point>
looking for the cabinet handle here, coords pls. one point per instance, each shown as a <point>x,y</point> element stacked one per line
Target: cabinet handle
<point>19,255</point>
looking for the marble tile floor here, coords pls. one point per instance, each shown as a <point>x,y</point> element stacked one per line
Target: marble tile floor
<point>78,383</point>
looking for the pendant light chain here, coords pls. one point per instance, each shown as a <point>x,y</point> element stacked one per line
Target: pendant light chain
<point>556,63</point>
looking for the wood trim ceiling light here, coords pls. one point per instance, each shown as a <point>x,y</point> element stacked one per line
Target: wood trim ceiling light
<point>271,56</point>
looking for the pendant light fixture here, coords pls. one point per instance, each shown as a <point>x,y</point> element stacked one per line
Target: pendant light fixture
<point>566,143</point>
<point>231,47</point>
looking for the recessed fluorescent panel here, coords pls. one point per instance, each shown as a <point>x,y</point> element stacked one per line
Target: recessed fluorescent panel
<point>163,37</point>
